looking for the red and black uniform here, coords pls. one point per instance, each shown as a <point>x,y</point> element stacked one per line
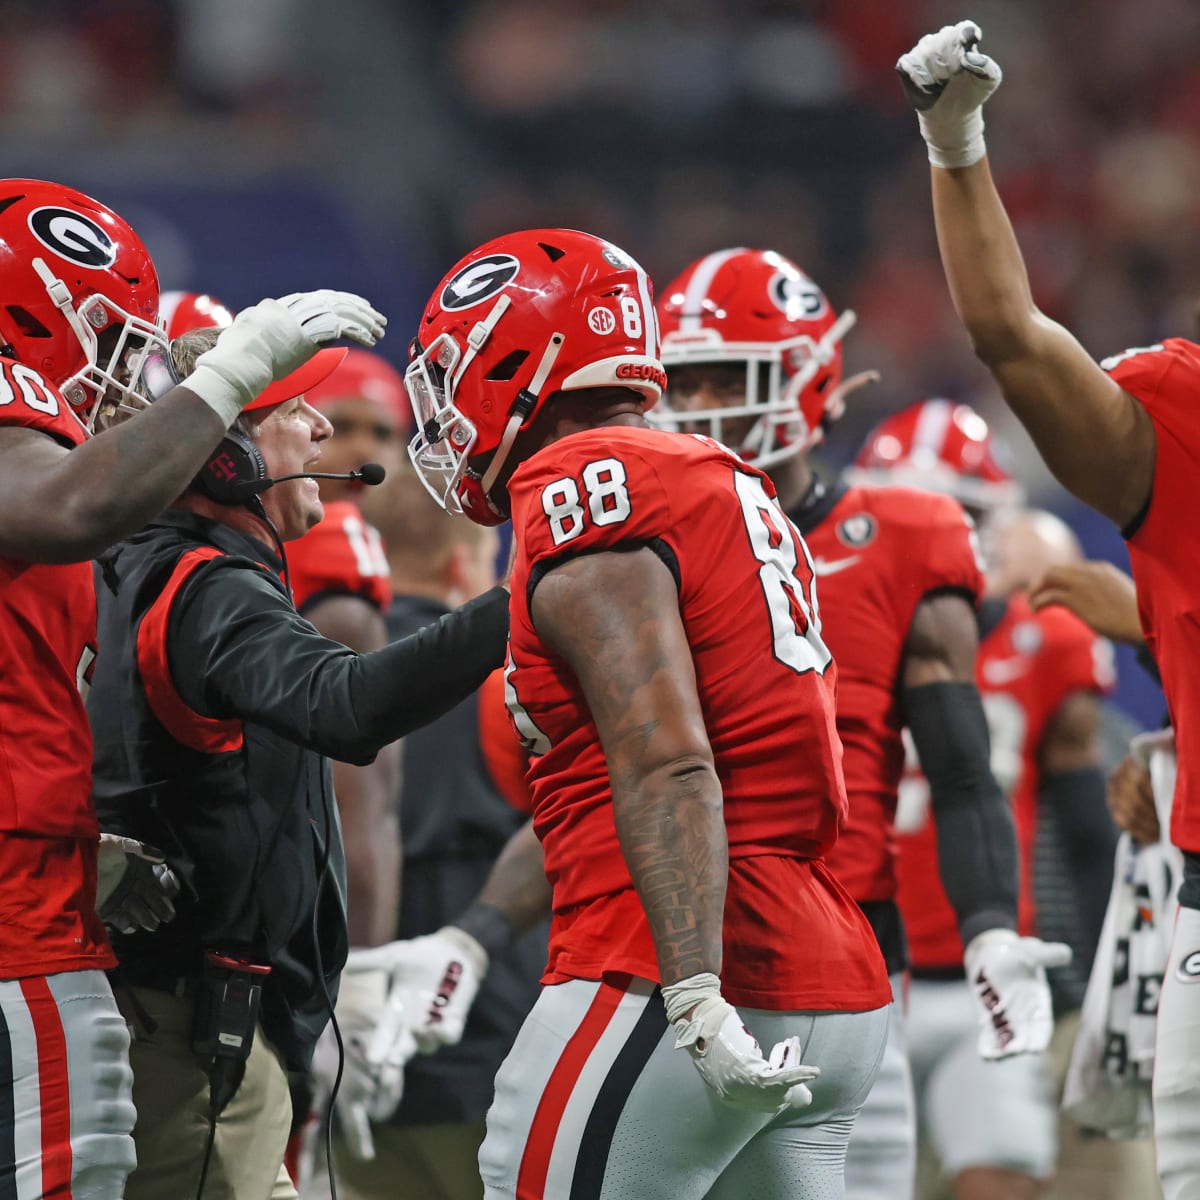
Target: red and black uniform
<point>766,685</point>
<point>1164,552</point>
<point>1029,663</point>
<point>213,705</point>
<point>342,555</point>
<point>878,553</point>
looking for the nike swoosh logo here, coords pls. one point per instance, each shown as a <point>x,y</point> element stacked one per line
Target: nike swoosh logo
<point>1004,670</point>
<point>832,566</point>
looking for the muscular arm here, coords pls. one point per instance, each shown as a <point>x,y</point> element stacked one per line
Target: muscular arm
<point>1072,784</point>
<point>1095,437</point>
<point>366,795</point>
<point>977,846</point>
<point>515,897</point>
<point>68,506</point>
<point>614,618</point>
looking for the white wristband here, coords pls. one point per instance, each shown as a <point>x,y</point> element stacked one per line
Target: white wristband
<point>682,997</point>
<point>217,392</point>
<point>958,146</point>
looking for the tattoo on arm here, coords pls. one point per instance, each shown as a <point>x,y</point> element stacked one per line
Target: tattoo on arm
<point>614,618</point>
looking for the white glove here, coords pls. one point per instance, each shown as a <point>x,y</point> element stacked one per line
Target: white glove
<point>727,1056</point>
<point>135,889</point>
<point>367,1092</point>
<point>433,978</point>
<point>1007,976</point>
<point>947,80</point>
<point>269,340</point>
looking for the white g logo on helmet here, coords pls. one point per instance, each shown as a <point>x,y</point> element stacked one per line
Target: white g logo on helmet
<point>73,236</point>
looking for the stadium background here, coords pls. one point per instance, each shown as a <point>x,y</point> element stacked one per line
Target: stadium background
<point>267,146</point>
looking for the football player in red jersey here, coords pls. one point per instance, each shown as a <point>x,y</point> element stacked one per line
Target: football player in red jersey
<point>1042,676</point>
<point>750,341</point>
<point>1123,436</point>
<point>79,313</point>
<point>668,675</point>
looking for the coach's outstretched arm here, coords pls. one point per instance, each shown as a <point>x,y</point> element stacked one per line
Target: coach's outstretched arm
<point>1095,437</point>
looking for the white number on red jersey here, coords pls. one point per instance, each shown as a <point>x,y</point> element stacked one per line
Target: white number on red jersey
<point>533,740</point>
<point>18,379</point>
<point>795,618</point>
<point>607,500</point>
<point>367,547</point>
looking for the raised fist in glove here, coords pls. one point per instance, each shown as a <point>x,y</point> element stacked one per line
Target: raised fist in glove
<point>947,80</point>
<point>135,889</point>
<point>727,1056</point>
<point>1007,977</point>
<point>269,340</point>
<point>434,978</point>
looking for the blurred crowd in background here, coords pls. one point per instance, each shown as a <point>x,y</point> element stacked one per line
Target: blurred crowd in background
<point>259,146</point>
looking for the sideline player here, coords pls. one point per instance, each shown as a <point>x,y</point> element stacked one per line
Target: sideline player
<point>752,347</point>
<point>80,309</point>
<point>1042,677</point>
<point>668,674</point>
<point>1124,437</point>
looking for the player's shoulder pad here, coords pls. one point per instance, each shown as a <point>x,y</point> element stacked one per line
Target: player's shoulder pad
<point>912,508</point>
<point>1141,368</point>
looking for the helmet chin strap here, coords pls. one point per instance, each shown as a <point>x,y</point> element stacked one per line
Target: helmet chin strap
<point>524,404</point>
<point>61,296</point>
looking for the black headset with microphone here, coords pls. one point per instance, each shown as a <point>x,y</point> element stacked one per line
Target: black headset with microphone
<point>236,471</point>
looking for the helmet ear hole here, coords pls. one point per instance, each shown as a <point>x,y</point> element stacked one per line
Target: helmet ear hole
<point>503,370</point>
<point>26,322</point>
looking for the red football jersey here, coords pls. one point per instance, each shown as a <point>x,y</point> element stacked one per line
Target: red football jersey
<point>48,830</point>
<point>794,939</point>
<point>1164,552</point>
<point>342,554</point>
<point>1028,665</point>
<point>878,553</point>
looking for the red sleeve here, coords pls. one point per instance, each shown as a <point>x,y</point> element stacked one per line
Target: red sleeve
<point>501,751</point>
<point>343,555</point>
<point>951,557</point>
<point>28,400</point>
<point>593,491</point>
<point>1076,659</point>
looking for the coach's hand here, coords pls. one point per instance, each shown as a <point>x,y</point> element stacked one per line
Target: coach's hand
<point>1007,977</point>
<point>727,1056</point>
<point>947,80</point>
<point>434,979</point>
<point>135,889</point>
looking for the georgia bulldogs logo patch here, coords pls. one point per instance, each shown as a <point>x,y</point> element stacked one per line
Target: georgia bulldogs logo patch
<point>73,236</point>
<point>478,281</point>
<point>856,531</point>
<point>1188,970</point>
<point>796,296</point>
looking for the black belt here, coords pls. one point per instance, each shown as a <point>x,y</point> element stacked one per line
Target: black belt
<point>144,975</point>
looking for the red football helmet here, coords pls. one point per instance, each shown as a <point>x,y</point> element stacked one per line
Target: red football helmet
<point>181,312</point>
<point>757,307</point>
<point>518,319</point>
<point>368,376</point>
<point>937,446</point>
<point>80,294</point>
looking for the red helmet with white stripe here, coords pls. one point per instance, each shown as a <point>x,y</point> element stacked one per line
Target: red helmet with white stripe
<point>520,318</point>
<point>181,312</point>
<point>79,293</point>
<point>938,446</point>
<point>757,308</point>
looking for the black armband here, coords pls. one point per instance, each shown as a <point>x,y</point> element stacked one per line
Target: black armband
<point>490,927</point>
<point>1189,890</point>
<point>1088,839</point>
<point>977,842</point>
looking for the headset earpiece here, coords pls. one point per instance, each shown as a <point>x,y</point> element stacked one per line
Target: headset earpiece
<point>231,471</point>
